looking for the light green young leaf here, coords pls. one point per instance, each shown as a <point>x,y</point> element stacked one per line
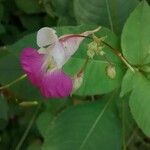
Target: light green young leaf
<point>135,40</point>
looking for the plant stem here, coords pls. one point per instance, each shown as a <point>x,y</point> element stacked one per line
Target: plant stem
<point>120,56</point>
<point>105,57</point>
<point>13,82</point>
<point>28,128</point>
<point>116,52</point>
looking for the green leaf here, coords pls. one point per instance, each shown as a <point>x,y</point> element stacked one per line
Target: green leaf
<point>109,13</point>
<point>55,105</point>
<point>34,146</point>
<point>31,22</point>
<point>2,29</point>
<point>66,20</point>
<point>26,41</point>
<point>140,103</point>
<point>52,107</point>
<point>128,123</point>
<point>3,112</point>
<point>29,6</point>
<point>62,7</point>
<point>43,122</point>
<point>64,12</point>
<point>86,127</point>
<point>1,11</point>
<point>127,83</point>
<point>3,108</point>
<point>135,37</point>
<point>48,8</point>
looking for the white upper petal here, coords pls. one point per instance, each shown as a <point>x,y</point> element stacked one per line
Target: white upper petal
<point>46,36</point>
<point>58,55</point>
<point>55,53</point>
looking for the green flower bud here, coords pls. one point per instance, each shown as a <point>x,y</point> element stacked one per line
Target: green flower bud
<point>92,46</point>
<point>111,71</point>
<point>28,104</point>
<point>90,54</point>
<point>102,53</point>
<point>95,47</point>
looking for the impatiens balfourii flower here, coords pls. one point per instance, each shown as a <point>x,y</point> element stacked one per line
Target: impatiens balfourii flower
<point>44,66</point>
<point>111,71</point>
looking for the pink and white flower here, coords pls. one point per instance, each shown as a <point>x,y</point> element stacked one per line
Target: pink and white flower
<point>44,66</point>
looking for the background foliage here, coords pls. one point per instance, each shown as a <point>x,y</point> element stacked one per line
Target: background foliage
<point>104,113</point>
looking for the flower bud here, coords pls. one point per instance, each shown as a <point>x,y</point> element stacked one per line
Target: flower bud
<point>77,81</point>
<point>95,47</point>
<point>91,49</point>
<point>102,53</point>
<point>28,104</point>
<point>111,71</point>
<point>92,46</point>
<point>90,54</point>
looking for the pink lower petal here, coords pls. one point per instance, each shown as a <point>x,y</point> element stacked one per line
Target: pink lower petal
<point>56,84</point>
<point>31,62</point>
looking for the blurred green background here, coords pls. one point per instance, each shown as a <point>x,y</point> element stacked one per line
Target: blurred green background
<point>22,17</point>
